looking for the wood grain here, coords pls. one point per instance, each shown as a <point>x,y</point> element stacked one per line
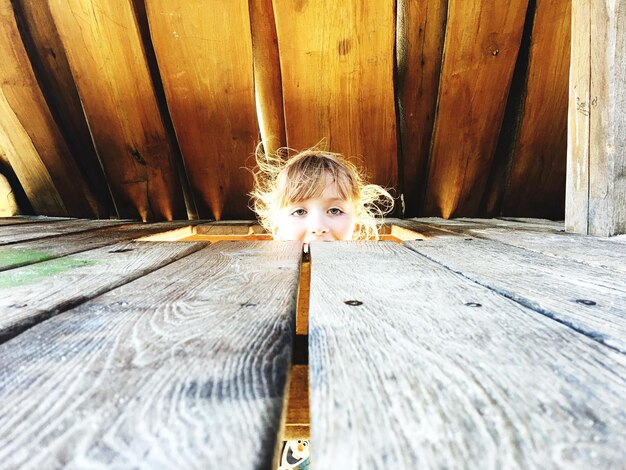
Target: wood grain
<point>34,293</point>
<point>184,367</point>
<point>30,138</point>
<point>17,219</point>
<point>103,46</point>
<point>336,64</point>
<point>204,50</point>
<point>20,233</point>
<point>589,299</point>
<point>480,50</point>
<point>420,376</point>
<point>420,35</point>
<point>36,250</point>
<point>537,176</point>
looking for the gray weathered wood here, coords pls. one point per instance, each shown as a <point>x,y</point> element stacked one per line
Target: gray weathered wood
<point>559,288</point>
<point>34,251</point>
<point>182,368</point>
<point>15,220</point>
<point>19,233</point>
<point>420,376</point>
<point>31,294</point>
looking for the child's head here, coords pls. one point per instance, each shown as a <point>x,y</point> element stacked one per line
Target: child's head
<point>316,195</point>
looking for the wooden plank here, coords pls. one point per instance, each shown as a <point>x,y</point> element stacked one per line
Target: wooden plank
<point>430,370</point>
<point>35,251</point>
<point>55,77</point>
<point>204,50</point>
<point>120,105</point>
<point>589,299</point>
<point>29,136</point>
<point>19,233</point>
<point>18,220</point>
<point>469,222</point>
<point>419,46</point>
<point>480,51</point>
<point>338,80</point>
<point>183,367</point>
<point>268,85</point>
<point>34,293</point>
<point>537,175</point>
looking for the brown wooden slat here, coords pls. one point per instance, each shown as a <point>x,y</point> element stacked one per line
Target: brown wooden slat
<point>267,79</point>
<point>32,294</point>
<point>53,72</point>
<point>430,370</point>
<point>419,46</point>
<point>537,176</point>
<point>19,233</point>
<point>105,53</point>
<point>337,64</point>
<point>29,136</point>
<point>184,367</point>
<point>480,51</point>
<point>35,251</point>
<point>204,50</point>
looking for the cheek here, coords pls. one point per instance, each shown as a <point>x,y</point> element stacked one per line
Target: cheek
<point>289,228</point>
<point>344,228</point>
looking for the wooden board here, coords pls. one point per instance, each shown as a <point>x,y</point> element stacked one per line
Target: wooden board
<point>204,50</point>
<point>338,80</point>
<point>34,293</point>
<point>536,182</point>
<point>183,367</point>
<point>420,376</point>
<point>18,220</point>
<point>106,56</point>
<point>419,46</point>
<point>589,299</point>
<point>29,136</point>
<point>37,250</point>
<point>19,233</point>
<point>480,51</point>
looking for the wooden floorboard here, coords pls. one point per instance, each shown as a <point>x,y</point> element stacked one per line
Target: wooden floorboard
<point>35,251</point>
<point>183,368</point>
<point>19,233</point>
<point>415,366</point>
<point>590,299</point>
<point>18,220</point>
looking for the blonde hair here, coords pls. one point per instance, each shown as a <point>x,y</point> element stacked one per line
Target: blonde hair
<point>279,182</point>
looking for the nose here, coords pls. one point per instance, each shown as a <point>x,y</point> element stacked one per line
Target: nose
<point>317,225</point>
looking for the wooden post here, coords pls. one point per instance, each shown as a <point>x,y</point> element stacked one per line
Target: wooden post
<point>596,151</point>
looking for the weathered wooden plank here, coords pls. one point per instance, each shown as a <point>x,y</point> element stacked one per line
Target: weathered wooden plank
<point>536,182</point>
<point>19,233</point>
<point>34,251</point>
<point>589,299</point>
<point>268,84</point>
<point>32,294</point>
<point>417,367</point>
<point>183,367</point>
<point>18,220</point>
<point>420,34</point>
<point>468,222</point>
<point>204,50</point>
<point>29,135</point>
<point>338,79</point>
<point>55,77</point>
<point>120,105</point>
<point>481,45</point>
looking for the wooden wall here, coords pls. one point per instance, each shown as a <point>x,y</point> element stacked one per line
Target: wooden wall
<point>151,109</point>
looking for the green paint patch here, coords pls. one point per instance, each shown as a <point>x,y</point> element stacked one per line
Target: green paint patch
<point>40,271</point>
<point>10,258</point>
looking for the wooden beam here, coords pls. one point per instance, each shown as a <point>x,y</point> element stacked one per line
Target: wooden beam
<point>596,152</point>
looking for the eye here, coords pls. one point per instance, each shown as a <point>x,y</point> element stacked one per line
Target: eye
<point>298,212</point>
<point>335,211</point>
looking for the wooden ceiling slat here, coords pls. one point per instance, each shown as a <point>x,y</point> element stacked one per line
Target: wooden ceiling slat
<point>53,71</point>
<point>104,49</point>
<point>204,51</point>
<point>267,78</point>
<point>537,178</point>
<point>480,51</point>
<point>337,69</point>
<point>29,136</point>
<point>419,45</point>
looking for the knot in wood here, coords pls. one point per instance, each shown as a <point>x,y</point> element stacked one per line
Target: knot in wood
<point>353,303</point>
<point>473,304</point>
<point>585,302</point>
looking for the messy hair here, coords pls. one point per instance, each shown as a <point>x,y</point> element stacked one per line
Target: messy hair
<point>279,182</point>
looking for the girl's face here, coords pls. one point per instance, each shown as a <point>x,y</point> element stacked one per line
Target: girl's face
<point>327,217</point>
